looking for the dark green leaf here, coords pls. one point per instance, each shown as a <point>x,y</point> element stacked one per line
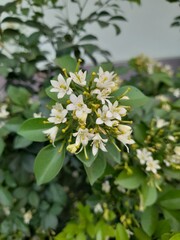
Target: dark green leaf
<point>170,200</point>
<point>2,145</point>
<point>66,62</point>
<point>88,37</point>
<point>18,95</point>
<point>97,169</point>
<point>33,128</point>
<point>149,219</point>
<point>91,158</point>
<point>49,162</point>
<point>5,197</point>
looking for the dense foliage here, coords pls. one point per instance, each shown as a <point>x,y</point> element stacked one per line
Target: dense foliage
<point>133,194</point>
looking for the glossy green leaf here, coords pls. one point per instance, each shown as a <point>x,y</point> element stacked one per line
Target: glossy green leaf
<point>174,219</point>
<point>121,232</point>
<point>149,220</point>
<point>33,128</point>
<point>136,97</point>
<point>97,169</point>
<point>130,180</point>
<point>149,195</point>
<point>91,158</point>
<point>49,162</point>
<point>66,62</point>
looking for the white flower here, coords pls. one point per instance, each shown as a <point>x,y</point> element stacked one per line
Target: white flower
<point>80,108</point>
<point>106,186</point>
<point>104,116</point>
<point>37,115</point>
<point>83,136</point>
<point>176,92</point>
<point>6,211</point>
<point>27,217</point>
<point>79,78</point>
<point>3,112</point>
<point>152,166</point>
<point>58,114</point>
<point>61,86</point>
<point>105,79</point>
<point>51,133</point>
<point>177,150</point>
<point>144,155</point>
<point>116,111</point>
<point>98,208</point>
<point>161,123</point>
<point>125,136</point>
<point>102,95</point>
<point>171,138</point>
<point>98,142</point>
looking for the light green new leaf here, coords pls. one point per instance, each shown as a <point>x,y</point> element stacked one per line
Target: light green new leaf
<point>97,169</point>
<point>49,162</point>
<point>149,220</point>
<point>66,62</point>
<point>87,162</point>
<point>33,128</point>
<point>121,232</point>
<point>136,97</point>
<point>130,180</point>
<point>175,237</point>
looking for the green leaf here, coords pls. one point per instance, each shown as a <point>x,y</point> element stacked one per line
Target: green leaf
<point>21,142</point>
<point>91,158</point>
<point>174,219</point>
<point>140,234</point>
<point>49,162</point>
<point>117,29</point>
<point>121,18</point>
<point>130,180</point>
<point>5,197</point>
<point>112,153</point>
<point>66,62</point>
<point>33,128</point>
<point>14,124</point>
<point>149,195</point>
<point>176,104</point>
<point>170,200</point>
<point>175,237</point>
<point>162,227</point>
<point>149,220</point>
<point>12,20</point>
<point>33,199</point>
<point>121,233</point>
<point>136,97</point>
<point>18,95</point>
<point>139,132</point>
<point>97,169</point>
<point>53,95</point>
<point>4,71</point>
<point>88,37</point>
<point>2,146</point>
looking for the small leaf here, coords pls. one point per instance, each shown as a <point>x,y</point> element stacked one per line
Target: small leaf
<point>121,233</point>
<point>33,128</point>
<point>5,197</point>
<point>49,162</point>
<point>66,62</point>
<point>149,220</point>
<point>130,180</point>
<point>97,169</point>
<point>149,195</point>
<point>136,97</point>
<point>121,18</point>
<point>91,158</point>
<point>2,146</point>
<point>18,95</point>
<point>170,200</point>
<point>88,37</point>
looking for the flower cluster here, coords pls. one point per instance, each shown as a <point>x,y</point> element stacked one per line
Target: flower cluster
<point>86,112</point>
<point>150,66</point>
<point>173,160</point>
<point>145,157</point>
